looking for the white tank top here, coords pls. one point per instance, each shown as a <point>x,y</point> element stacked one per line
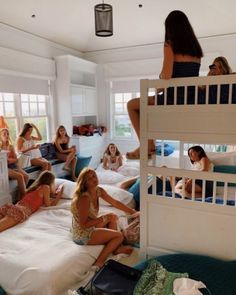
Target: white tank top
<point>35,153</point>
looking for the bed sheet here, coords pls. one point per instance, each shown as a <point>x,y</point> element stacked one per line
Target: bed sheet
<point>129,169</point>
<point>39,257</point>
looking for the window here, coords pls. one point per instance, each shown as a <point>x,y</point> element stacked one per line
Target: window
<point>18,109</point>
<point>122,126</point>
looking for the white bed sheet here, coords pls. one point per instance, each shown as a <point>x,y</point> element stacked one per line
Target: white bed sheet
<point>39,257</point>
<point>129,169</point>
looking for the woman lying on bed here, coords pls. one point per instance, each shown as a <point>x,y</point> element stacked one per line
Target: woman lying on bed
<point>90,229</point>
<point>37,195</point>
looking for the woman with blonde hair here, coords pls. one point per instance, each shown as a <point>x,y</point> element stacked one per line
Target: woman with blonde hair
<point>220,66</point>
<point>88,228</point>
<point>14,171</point>
<point>64,152</point>
<point>37,195</point>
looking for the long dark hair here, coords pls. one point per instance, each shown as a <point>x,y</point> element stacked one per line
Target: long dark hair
<point>45,177</point>
<point>199,150</point>
<point>180,35</point>
<point>25,129</point>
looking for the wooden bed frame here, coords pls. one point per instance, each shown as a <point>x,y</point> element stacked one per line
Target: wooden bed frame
<point>170,224</point>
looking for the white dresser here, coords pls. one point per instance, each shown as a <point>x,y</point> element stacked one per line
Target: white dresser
<point>5,196</point>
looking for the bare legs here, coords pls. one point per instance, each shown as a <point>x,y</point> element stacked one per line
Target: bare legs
<point>41,162</point>
<point>133,107</point>
<point>112,241</point>
<point>7,222</point>
<point>21,177</point>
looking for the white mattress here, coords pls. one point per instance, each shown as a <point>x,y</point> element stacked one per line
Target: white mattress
<point>38,257</point>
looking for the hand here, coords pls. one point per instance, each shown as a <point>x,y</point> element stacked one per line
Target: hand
<point>36,146</point>
<point>136,214</point>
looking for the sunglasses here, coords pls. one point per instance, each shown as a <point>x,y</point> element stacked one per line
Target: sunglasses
<point>212,67</point>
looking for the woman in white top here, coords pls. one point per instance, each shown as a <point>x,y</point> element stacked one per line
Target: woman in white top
<point>200,162</point>
<point>112,158</point>
<point>26,144</point>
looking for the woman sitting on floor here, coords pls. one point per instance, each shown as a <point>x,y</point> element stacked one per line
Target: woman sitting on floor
<point>37,195</point>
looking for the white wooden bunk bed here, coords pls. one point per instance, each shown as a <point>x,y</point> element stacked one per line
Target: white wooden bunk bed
<point>188,225</point>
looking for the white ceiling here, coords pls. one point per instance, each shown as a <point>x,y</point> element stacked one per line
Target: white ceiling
<point>71,22</point>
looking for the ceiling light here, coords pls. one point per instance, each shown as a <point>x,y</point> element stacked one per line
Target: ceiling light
<point>103,20</point>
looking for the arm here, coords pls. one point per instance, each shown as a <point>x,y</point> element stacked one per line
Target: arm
<point>20,148</point>
<point>84,220</point>
<point>105,162</point>
<point>12,158</point>
<point>46,196</point>
<point>205,164</point>
<point>120,160</point>
<point>115,203</point>
<point>39,136</point>
<point>167,68</point>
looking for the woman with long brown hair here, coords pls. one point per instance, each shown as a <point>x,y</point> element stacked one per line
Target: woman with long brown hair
<point>37,195</point>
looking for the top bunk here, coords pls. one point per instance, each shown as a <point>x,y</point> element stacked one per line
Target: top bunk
<point>186,109</point>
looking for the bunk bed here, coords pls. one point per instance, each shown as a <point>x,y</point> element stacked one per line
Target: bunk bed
<point>198,110</point>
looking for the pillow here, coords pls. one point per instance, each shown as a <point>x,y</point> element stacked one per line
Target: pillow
<point>228,158</point>
<point>68,188</point>
<point>217,275</point>
<point>168,149</point>
<point>117,193</point>
<point>82,162</point>
<point>127,170</point>
<point>109,177</point>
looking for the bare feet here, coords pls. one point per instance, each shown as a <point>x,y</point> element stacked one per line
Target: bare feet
<point>134,155</point>
<point>124,250</point>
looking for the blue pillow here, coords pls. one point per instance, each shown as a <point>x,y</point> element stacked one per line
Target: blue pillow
<point>82,162</point>
<point>168,149</point>
<point>217,275</point>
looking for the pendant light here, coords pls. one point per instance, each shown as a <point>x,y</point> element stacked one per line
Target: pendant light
<point>103,20</point>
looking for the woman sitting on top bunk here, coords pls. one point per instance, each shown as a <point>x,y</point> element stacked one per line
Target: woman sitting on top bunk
<point>182,58</point>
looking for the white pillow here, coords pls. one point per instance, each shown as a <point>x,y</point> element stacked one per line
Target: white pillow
<point>128,170</point>
<point>117,193</point>
<point>223,158</point>
<point>68,189</point>
<point>109,177</point>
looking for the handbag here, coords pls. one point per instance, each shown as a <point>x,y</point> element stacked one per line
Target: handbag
<point>113,278</point>
<point>24,161</point>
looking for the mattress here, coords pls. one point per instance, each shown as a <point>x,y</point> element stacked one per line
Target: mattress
<point>39,257</point>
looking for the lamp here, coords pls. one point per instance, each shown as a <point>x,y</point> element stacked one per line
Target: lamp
<point>103,20</point>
